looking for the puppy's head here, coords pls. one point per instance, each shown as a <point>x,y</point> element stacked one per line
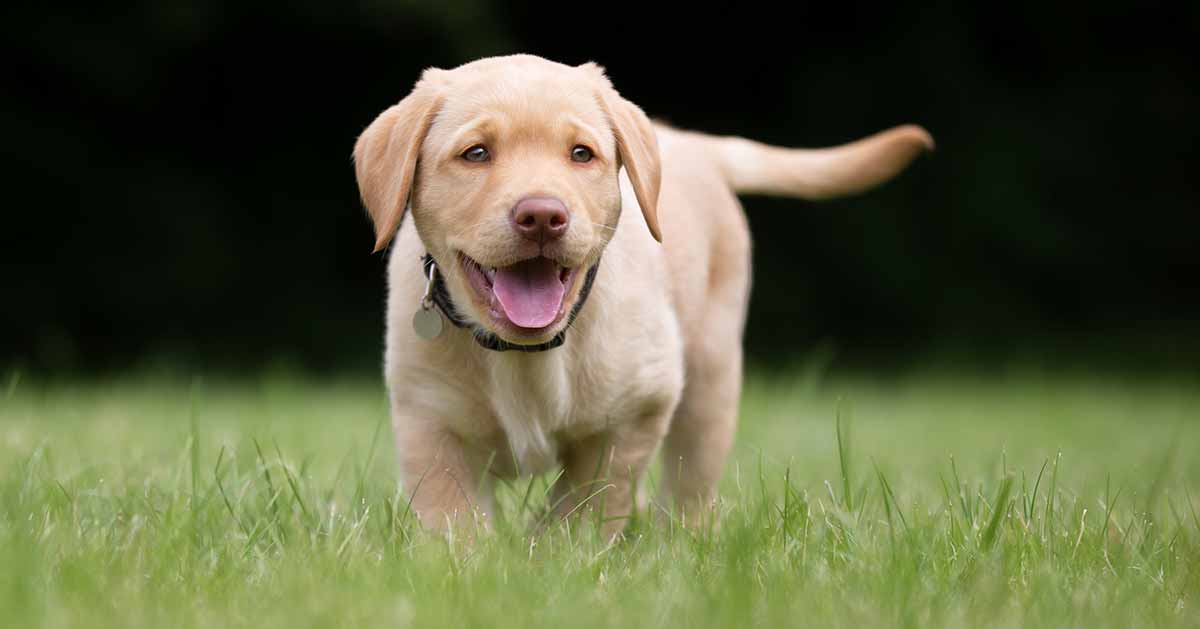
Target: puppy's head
<point>510,168</point>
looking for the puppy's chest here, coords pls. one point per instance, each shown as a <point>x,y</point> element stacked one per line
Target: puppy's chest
<point>541,405</point>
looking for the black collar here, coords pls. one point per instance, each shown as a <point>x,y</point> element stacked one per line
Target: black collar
<point>486,339</point>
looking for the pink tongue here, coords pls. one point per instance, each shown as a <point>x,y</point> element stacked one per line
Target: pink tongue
<point>530,292</point>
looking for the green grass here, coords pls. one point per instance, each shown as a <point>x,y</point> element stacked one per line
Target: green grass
<point>1027,499</point>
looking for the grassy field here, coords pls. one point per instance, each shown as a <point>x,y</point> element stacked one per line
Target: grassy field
<point>1022,499</point>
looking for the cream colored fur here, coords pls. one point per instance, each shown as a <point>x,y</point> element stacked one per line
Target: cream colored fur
<point>653,363</point>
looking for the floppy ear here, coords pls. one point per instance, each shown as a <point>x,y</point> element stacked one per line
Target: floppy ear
<point>637,148</point>
<point>385,159</point>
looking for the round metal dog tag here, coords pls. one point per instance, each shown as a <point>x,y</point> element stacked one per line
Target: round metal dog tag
<point>427,323</point>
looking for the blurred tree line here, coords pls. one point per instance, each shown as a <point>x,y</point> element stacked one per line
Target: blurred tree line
<point>179,180</point>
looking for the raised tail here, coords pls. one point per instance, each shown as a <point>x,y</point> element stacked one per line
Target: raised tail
<point>754,168</point>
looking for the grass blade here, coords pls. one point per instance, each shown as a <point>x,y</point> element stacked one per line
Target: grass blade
<point>999,509</point>
<point>843,447</point>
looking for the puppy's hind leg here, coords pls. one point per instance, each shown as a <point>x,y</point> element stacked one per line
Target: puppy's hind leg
<point>701,437</point>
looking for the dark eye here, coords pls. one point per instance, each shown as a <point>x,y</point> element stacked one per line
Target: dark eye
<point>581,153</point>
<point>476,153</point>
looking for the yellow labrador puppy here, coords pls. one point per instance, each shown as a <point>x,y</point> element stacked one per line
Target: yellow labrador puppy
<point>570,287</point>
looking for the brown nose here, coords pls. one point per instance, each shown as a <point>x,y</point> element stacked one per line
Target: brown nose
<point>540,219</point>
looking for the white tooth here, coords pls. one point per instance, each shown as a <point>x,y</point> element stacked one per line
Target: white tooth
<point>490,273</point>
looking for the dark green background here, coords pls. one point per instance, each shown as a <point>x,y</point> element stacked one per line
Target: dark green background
<point>179,180</point>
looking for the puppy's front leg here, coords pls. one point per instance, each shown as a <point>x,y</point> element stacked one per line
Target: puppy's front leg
<point>438,478</point>
<point>605,469</point>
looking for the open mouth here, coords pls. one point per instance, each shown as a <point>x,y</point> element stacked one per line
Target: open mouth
<point>527,295</point>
